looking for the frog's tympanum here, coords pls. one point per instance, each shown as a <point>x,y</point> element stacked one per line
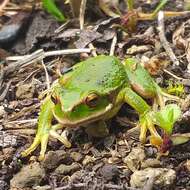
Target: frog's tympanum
<point>93,92</point>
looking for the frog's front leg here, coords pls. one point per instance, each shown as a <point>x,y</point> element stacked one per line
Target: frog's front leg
<point>45,129</point>
<point>144,110</point>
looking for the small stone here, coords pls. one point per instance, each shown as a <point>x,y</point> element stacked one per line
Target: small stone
<point>8,153</point>
<point>87,160</point>
<point>109,172</point>
<point>187,165</point>
<point>29,176</point>
<point>135,158</point>
<point>52,159</point>
<point>138,49</point>
<point>162,177</point>
<point>3,185</point>
<point>25,91</point>
<point>76,156</point>
<point>150,162</point>
<point>7,140</point>
<point>66,169</point>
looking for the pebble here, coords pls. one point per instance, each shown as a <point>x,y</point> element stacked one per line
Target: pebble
<point>76,156</point>
<point>66,169</point>
<point>52,159</point>
<point>135,158</point>
<point>29,176</point>
<point>162,177</point>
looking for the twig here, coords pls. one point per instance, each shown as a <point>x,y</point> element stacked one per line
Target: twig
<point>2,6</point>
<point>23,121</point>
<point>53,53</point>
<point>93,49</point>
<point>39,55</point>
<point>163,39</point>
<point>185,82</point>
<point>81,19</point>
<point>4,93</point>
<point>22,131</point>
<point>171,74</point>
<point>113,44</point>
<point>82,13</point>
<point>26,60</point>
<point>47,76</point>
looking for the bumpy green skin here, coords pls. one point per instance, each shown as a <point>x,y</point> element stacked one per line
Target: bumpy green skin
<point>111,81</point>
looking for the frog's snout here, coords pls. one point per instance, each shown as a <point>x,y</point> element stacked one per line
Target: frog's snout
<point>67,110</point>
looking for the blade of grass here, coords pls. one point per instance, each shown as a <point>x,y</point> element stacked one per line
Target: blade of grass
<point>50,7</point>
<point>159,7</point>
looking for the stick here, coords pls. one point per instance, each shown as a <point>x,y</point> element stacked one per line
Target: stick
<point>2,6</point>
<point>163,39</point>
<point>114,41</point>
<point>53,53</point>
<point>81,19</point>
<point>47,76</point>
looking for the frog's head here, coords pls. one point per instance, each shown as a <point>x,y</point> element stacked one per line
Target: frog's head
<point>81,107</point>
<point>88,92</point>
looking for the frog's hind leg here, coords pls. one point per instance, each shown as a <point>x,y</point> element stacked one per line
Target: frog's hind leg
<point>144,110</point>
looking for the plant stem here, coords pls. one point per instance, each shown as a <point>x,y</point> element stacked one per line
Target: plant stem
<point>75,7</point>
<point>160,6</point>
<point>130,4</point>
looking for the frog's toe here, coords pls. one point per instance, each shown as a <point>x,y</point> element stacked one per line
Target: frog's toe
<point>62,137</point>
<point>147,125</point>
<point>44,142</point>
<point>32,147</point>
<point>143,131</point>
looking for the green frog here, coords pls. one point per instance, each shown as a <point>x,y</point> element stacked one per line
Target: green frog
<point>92,93</point>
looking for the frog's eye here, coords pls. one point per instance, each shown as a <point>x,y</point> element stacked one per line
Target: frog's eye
<point>53,99</point>
<point>92,100</point>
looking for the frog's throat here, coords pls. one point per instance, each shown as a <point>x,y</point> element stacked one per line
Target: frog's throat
<point>68,123</point>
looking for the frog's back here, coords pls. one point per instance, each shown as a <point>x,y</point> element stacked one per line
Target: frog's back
<point>103,73</point>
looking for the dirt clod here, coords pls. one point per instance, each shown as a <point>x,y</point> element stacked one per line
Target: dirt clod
<point>66,169</point>
<point>161,176</point>
<point>29,176</point>
<point>135,158</point>
<point>109,172</point>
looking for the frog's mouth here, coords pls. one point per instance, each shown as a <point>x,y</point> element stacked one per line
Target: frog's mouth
<point>75,123</point>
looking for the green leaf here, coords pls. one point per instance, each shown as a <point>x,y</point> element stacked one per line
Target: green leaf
<point>166,117</point>
<point>50,7</point>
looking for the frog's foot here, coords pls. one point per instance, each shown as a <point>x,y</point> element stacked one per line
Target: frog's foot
<point>42,138</point>
<point>147,125</point>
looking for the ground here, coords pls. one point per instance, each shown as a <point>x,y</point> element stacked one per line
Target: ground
<point>107,163</point>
